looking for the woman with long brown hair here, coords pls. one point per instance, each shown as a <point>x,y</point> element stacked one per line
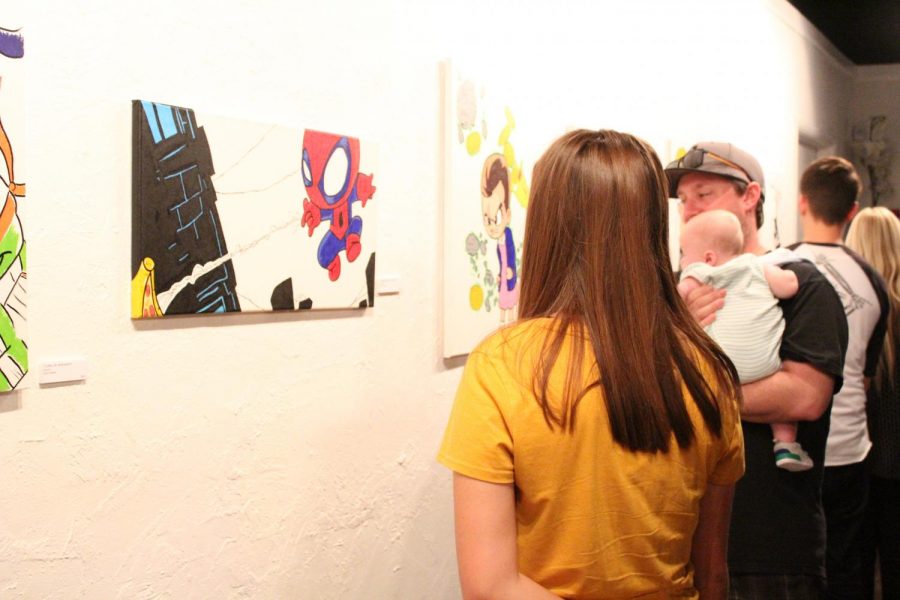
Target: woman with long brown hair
<point>874,234</point>
<point>595,442</point>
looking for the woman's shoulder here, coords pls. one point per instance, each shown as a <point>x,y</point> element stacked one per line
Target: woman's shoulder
<point>516,336</point>
<point>513,349</point>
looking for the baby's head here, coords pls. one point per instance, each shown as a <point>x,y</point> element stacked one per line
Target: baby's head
<point>713,237</point>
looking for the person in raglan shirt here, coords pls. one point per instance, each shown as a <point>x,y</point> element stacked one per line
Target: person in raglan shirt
<point>829,193</point>
<point>777,535</point>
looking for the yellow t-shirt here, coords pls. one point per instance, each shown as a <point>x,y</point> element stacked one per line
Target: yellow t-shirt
<point>594,520</point>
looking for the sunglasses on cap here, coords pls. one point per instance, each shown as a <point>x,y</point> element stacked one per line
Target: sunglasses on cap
<point>694,158</point>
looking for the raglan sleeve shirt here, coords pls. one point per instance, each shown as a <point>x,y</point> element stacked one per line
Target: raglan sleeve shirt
<point>816,328</point>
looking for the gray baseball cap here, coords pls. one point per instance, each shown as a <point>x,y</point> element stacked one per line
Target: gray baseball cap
<point>716,158</point>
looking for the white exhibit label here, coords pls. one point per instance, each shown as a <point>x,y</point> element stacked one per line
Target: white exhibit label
<point>58,370</point>
<point>387,284</point>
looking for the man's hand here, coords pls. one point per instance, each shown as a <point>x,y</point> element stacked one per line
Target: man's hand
<point>704,301</point>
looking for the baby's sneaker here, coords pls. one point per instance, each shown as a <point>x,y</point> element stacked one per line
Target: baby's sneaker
<point>790,456</point>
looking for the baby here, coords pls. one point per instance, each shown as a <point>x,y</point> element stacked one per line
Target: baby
<point>750,325</point>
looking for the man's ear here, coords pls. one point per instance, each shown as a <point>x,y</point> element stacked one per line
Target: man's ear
<point>802,205</point>
<point>751,196</point>
<point>853,210</point>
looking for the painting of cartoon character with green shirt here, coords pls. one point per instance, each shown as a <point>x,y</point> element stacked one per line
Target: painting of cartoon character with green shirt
<point>13,349</point>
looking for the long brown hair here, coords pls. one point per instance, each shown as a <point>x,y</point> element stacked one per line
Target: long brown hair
<point>875,235</point>
<point>596,259</point>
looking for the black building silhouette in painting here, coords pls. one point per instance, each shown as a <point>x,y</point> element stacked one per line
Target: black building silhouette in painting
<point>174,216</point>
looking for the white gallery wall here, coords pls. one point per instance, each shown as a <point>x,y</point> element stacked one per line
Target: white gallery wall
<point>292,455</point>
<point>821,81</point>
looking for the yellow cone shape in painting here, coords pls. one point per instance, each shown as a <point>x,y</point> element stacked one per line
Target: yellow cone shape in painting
<point>143,292</point>
<point>476,297</point>
<point>517,182</point>
<point>473,143</point>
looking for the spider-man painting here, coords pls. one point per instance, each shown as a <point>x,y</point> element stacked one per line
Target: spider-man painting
<point>333,183</point>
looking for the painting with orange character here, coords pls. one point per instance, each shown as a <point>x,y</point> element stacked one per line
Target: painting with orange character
<point>13,278</point>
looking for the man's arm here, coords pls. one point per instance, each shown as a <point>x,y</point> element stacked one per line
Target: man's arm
<point>709,549</point>
<point>486,543</point>
<point>798,392</point>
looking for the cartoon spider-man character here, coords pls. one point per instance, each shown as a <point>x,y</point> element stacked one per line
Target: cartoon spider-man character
<point>333,184</point>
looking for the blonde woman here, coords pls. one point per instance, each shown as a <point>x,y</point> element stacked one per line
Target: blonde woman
<point>875,235</point>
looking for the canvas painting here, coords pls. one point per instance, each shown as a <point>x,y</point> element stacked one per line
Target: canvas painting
<point>668,151</point>
<point>231,215</point>
<point>13,267</point>
<point>488,157</point>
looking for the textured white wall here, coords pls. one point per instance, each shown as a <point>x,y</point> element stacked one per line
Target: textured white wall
<point>875,92</point>
<point>292,456</point>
